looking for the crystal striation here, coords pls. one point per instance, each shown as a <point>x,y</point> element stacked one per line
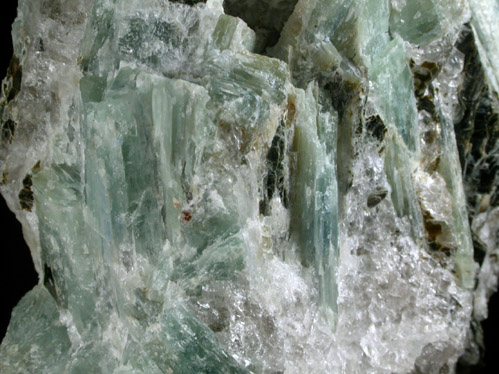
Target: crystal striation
<point>285,186</point>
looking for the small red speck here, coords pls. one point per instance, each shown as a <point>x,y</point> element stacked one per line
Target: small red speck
<point>187,215</point>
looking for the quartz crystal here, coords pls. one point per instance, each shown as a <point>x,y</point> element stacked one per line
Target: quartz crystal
<point>250,186</point>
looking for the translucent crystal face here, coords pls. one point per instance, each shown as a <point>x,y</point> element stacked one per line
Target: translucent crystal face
<point>251,186</point>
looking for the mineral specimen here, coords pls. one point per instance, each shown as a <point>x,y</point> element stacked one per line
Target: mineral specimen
<point>252,186</point>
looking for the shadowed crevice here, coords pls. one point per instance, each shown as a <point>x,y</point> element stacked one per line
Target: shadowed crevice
<point>265,17</point>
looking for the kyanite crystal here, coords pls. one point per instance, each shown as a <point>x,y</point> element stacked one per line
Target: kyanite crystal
<point>249,186</point>
<point>314,209</point>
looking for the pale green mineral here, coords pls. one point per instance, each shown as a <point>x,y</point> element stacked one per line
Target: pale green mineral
<point>314,204</point>
<point>485,29</point>
<point>252,186</point>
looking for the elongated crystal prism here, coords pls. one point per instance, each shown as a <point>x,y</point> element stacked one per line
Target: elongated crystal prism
<point>283,186</point>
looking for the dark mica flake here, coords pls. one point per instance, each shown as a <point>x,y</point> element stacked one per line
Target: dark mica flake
<point>8,131</point>
<point>375,126</point>
<point>15,73</point>
<point>376,197</point>
<point>26,197</point>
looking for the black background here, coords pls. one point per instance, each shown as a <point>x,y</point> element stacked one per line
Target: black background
<point>17,273</point>
<point>18,276</point>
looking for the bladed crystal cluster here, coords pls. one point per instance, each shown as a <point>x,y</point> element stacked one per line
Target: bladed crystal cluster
<point>253,186</point>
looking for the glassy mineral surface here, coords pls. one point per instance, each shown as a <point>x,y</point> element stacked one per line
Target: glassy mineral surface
<point>250,186</point>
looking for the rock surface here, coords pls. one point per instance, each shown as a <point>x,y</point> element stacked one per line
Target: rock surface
<point>252,186</point>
